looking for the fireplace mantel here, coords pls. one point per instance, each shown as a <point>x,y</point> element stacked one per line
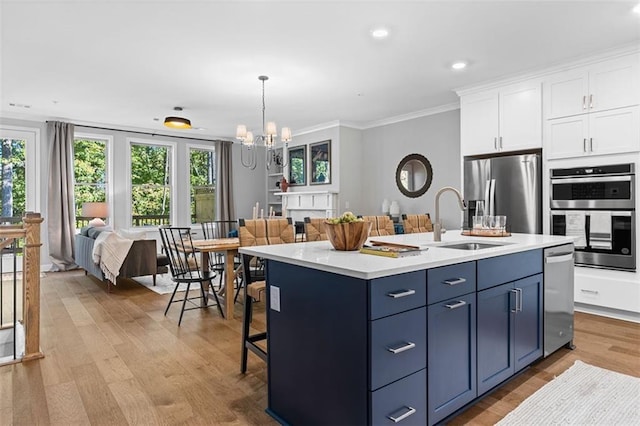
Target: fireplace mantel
<point>298,205</point>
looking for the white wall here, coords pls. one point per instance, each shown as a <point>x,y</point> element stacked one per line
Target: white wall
<point>437,137</point>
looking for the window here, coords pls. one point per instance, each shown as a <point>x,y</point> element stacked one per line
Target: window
<point>12,166</point>
<point>202,179</point>
<point>90,173</point>
<point>151,171</point>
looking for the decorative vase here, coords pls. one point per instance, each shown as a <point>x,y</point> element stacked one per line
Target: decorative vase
<point>385,206</point>
<point>394,209</point>
<point>284,185</point>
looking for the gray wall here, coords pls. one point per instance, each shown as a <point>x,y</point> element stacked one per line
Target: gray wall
<point>437,137</point>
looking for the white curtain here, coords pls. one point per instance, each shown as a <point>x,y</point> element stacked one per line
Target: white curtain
<point>225,209</point>
<point>60,204</point>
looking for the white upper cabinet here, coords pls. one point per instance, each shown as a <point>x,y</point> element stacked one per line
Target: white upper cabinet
<point>504,119</point>
<point>593,109</point>
<point>603,86</point>
<point>607,132</point>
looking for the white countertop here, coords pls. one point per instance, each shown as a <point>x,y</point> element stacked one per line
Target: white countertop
<point>322,256</point>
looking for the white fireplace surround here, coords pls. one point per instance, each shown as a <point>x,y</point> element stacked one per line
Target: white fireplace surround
<point>298,205</point>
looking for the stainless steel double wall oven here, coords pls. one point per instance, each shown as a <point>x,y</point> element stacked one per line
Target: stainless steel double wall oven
<point>598,206</point>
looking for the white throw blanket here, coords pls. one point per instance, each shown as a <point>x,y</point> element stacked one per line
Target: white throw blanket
<point>109,251</point>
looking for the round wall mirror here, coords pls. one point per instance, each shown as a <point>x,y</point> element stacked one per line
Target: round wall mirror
<point>414,175</point>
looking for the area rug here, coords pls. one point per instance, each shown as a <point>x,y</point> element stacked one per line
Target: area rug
<point>164,284</point>
<point>582,395</point>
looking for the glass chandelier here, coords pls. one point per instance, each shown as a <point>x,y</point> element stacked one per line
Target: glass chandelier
<point>268,138</point>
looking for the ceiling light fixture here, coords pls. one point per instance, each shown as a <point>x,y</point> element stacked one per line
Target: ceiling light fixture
<point>177,122</point>
<point>636,9</point>
<point>380,33</point>
<point>248,155</point>
<point>459,65</point>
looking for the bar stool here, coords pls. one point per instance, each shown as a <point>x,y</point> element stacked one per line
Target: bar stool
<point>251,233</point>
<point>314,229</point>
<point>413,223</point>
<point>381,225</point>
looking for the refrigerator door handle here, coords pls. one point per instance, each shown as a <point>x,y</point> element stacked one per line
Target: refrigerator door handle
<point>492,198</point>
<point>487,193</point>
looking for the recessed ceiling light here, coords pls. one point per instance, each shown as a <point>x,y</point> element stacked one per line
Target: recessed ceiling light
<point>380,33</point>
<point>636,9</point>
<point>460,65</point>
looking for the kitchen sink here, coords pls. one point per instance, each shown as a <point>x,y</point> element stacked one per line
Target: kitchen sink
<point>471,245</point>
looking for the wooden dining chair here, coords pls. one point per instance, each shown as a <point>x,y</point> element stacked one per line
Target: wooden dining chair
<point>314,229</point>
<point>381,225</point>
<point>185,269</point>
<point>414,223</point>
<point>251,233</point>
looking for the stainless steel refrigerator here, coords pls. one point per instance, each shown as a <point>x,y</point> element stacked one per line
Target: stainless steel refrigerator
<point>509,185</point>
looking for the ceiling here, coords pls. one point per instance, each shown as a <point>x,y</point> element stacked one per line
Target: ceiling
<point>123,64</point>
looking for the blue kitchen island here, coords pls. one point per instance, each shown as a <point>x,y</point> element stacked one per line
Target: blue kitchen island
<point>357,339</point>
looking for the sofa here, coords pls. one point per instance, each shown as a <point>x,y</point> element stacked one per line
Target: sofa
<point>142,258</point>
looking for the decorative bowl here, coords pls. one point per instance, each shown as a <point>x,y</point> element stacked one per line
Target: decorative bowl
<point>348,236</point>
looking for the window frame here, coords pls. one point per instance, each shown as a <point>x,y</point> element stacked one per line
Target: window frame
<point>201,147</point>
<point>31,136</point>
<point>109,187</point>
<point>173,147</point>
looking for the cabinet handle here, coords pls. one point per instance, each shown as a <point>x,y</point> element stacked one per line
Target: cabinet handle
<point>584,144</point>
<point>500,140</point>
<point>591,144</point>
<point>590,101</point>
<point>455,305</point>
<point>515,292</point>
<point>395,418</point>
<point>589,291</point>
<point>454,281</point>
<point>519,306</point>
<point>405,347</point>
<point>495,143</point>
<point>584,102</point>
<point>401,293</point>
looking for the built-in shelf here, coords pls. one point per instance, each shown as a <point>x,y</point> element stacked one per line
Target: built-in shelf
<point>274,174</point>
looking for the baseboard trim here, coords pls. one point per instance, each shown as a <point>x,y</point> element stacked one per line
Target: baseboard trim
<point>607,312</point>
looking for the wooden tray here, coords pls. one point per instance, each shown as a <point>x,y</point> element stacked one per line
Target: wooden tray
<point>485,233</point>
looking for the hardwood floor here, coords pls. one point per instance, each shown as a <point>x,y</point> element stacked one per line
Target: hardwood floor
<point>113,358</point>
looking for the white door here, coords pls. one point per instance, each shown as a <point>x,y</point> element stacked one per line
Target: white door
<point>479,124</point>
<point>19,192</point>
<point>614,132</point>
<point>566,94</point>
<point>614,84</point>
<point>567,137</point>
<point>520,117</point>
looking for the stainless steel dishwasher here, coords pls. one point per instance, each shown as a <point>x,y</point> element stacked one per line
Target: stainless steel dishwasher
<point>558,298</point>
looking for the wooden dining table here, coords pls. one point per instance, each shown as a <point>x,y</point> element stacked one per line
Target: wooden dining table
<point>228,246</point>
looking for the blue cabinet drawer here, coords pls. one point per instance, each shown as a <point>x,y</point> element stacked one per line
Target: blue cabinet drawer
<point>401,403</point>
<point>503,269</point>
<point>450,281</point>
<point>397,293</point>
<point>398,346</point>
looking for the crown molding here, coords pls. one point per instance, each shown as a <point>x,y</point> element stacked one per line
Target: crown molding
<point>412,115</point>
<point>547,70</point>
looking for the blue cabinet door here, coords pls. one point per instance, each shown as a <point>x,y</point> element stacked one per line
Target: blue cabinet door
<point>495,336</point>
<point>451,356</point>
<point>528,324</point>
<point>509,330</point>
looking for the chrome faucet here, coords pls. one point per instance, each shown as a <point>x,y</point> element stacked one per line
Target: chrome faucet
<point>437,227</point>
